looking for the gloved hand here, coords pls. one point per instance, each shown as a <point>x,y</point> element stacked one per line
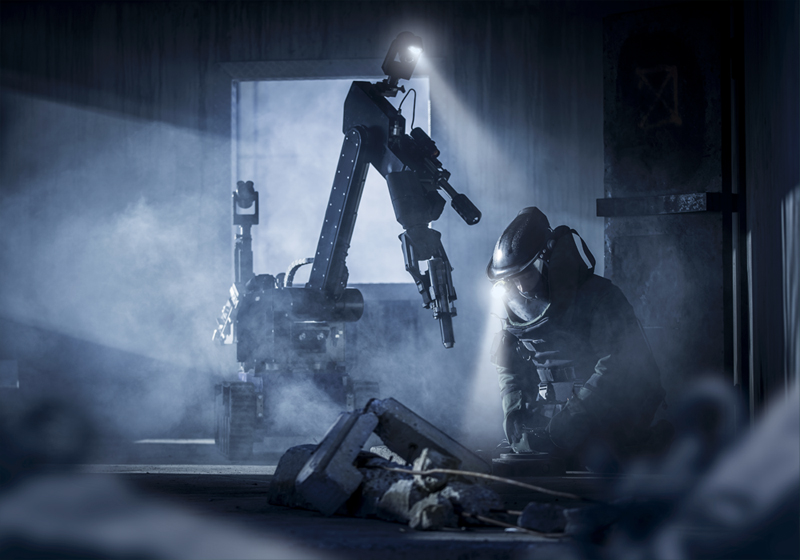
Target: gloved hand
<point>538,440</point>
<point>515,425</point>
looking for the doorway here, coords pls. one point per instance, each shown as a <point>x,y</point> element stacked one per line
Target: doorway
<point>287,135</point>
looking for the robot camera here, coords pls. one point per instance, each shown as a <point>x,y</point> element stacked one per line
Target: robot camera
<point>402,57</point>
<point>245,194</point>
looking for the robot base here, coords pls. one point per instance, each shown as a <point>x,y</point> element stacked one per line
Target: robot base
<point>243,420</point>
<point>235,412</point>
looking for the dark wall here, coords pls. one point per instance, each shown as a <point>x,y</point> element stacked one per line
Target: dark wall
<point>663,134</point>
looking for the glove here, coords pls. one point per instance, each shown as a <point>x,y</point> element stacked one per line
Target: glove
<point>536,440</point>
<point>514,425</point>
<point>524,438</point>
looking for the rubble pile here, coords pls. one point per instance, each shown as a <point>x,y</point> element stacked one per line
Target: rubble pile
<point>338,477</point>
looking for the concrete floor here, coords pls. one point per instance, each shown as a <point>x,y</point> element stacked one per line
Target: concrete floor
<point>185,493</point>
<point>241,499</point>
<point>171,498</point>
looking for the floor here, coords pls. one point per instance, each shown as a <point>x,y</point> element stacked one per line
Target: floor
<point>168,498</point>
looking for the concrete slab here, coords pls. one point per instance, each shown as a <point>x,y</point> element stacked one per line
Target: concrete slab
<point>329,478</point>
<point>407,434</point>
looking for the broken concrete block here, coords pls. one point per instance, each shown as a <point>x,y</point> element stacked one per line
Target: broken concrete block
<point>377,481</point>
<point>388,454</point>
<point>407,434</point>
<point>329,477</point>
<point>282,491</point>
<point>543,517</point>
<point>433,512</point>
<point>397,501</point>
<point>432,459</point>
<point>472,498</point>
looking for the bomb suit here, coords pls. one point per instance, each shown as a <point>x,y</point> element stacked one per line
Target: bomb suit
<point>573,364</point>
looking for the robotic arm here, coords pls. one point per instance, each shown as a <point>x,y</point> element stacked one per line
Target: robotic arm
<point>375,134</point>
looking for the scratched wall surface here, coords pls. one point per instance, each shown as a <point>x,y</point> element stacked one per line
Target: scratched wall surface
<point>663,131</point>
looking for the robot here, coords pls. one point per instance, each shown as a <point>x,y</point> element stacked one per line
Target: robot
<point>279,328</point>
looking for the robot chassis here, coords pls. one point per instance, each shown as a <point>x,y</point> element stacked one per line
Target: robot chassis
<point>281,329</point>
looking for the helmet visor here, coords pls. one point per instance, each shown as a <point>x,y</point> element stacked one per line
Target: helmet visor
<point>529,282</point>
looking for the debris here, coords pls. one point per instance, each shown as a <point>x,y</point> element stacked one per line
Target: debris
<point>408,502</point>
<point>543,517</point>
<point>433,512</point>
<point>431,459</point>
<point>388,454</point>
<point>397,501</point>
<point>366,501</point>
<point>329,477</point>
<point>338,477</point>
<point>473,498</point>
<point>407,434</point>
<point>509,481</point>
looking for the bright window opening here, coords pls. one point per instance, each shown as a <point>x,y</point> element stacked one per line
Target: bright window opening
<point>287,140</point>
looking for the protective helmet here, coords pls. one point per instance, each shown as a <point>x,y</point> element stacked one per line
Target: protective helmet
<point>521,243</point>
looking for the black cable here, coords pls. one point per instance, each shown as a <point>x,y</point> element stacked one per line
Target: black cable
<point>414,107</point>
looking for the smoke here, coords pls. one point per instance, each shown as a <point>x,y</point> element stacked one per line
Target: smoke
<point>122,250</point>
<point>397,344</point>
<point>114,237</point>
<point>297,405</point>
<point>289,141</point>
<point>112,246</point>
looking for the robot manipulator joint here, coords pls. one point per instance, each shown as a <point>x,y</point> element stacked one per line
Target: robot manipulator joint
<point>435,284</point>
<point>416,204</point>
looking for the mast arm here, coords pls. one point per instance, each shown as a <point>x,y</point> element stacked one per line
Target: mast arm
<point>329,273</point>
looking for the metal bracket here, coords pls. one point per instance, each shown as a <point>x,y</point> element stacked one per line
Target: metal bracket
<point>665,204</point>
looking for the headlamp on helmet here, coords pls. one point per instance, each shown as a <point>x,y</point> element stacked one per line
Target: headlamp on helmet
<point>523,241</point>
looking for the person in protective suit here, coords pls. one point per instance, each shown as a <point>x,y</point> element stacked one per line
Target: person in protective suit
<point>575,370</point>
